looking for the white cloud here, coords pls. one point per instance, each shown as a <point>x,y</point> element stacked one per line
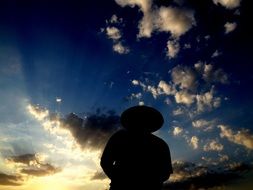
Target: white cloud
<point>58,100</point>
<point>199,123</point>
<point>178,111</point>
<point>136,96</point>
<point>207,37</point>
<point>146,24</point>
<point>229,4</point>
<point>145,5</point>
<point>194,142</point>
<point>187,46</point>
<point>38,112</point>
<point>216,54</point>
<point>177,131</point>
<point>206,159</point>
<point>153,90</point>
<point>115,20</point>
<point>135,82</point>
<point>167,101</point>
<point>223,157</point>
<point>141,103</point>
<point>199,66</point>
<point>207,101</point>
<point>113,33</point>
<point>184,77</point>
<point>213,145</point>
<point>210,74</point>
<point>162,88</point>
<point>166,88</point>
<point>174,20</point>
<point>173,48</point>
<point>165,19</point>
<point>119,48</point>
<point>241,137</point>
<point>203,124</point>
<point>229,27</point>
<point>207,74</point>
<point>184,97</point>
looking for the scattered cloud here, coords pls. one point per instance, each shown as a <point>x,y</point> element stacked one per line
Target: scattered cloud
<point>161,89</point>
<point>135,82</point>
<point>38,112</point>
<point>230,27</point>
<point>99,175</point>
<point>92,131</point>
<point>194,142</point>
<point>229,4</point>
<point>10,180</point>
<point>177,131</point>
<point>187,46</point>
<point>223,157</point>
<point>183,97</point>
<point>207,101</point>
<point>167,101</point>
<point>213,145</point>
<point>191,176</point>
<point>114,20</point>
<point>166,88</point>
<point>58,100</point>
<point>173,48</point>
<point>136,96</point>
<point>203,124</point>
<point>174,20</point>
<point>164,19</point>
<point>210,74</point>
<point>153,90</point>
<point>178,111</point>
<point>113,33</point>
<point>145,5</point>
<point>241,137</point>
<point>185,85</point>
<point>184,77</point>
<point>141,103</point>
<point>207,37</point>
<point>119,48</point>
<point>32,164</point>
<point>24,159</point>
<point>42,170</point>
<point>216,54</point>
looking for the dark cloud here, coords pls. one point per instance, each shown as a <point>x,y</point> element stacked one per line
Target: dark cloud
<point>33,165</point>
<point>204,177</point>
<point>98,175</point>
<point>42,170</point>
<point>11,180</point>
<point>94,130</point>
<point>208,180</point>
<point>24,159</point>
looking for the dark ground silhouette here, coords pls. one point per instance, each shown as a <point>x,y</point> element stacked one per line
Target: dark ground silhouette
<point>133,157</point>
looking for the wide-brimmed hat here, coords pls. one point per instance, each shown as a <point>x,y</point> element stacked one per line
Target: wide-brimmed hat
<point>142,118</point>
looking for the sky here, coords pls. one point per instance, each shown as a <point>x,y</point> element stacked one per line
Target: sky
<point>68,69</point>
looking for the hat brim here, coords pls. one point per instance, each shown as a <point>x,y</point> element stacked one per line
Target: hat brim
<point>142,118</point>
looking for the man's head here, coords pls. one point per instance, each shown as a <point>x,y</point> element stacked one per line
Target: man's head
<point>142,118</point>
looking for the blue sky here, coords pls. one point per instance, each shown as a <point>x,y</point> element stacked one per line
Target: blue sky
<point>191,60</point>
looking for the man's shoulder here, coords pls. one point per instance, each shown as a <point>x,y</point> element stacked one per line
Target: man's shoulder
<point>119,134</point>
<point>158,140</point>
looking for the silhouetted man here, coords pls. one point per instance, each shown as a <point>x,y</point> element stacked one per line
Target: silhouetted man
<point>135,159</point>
